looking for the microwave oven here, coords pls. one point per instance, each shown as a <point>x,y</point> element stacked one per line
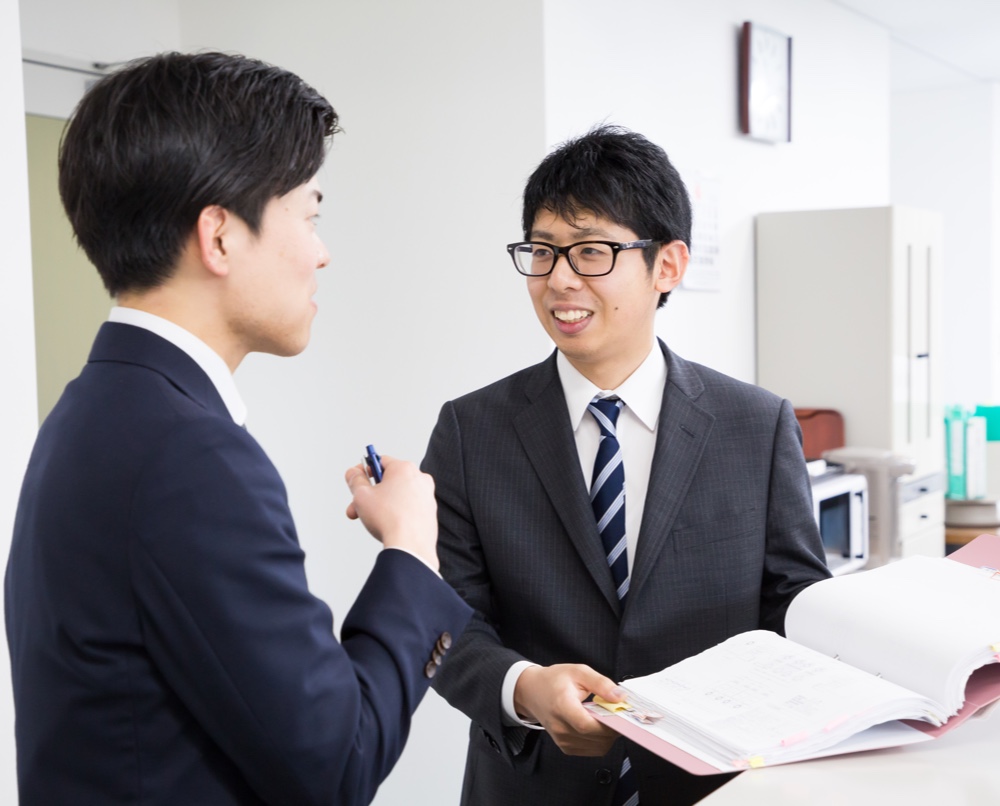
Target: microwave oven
<point>840,506</point>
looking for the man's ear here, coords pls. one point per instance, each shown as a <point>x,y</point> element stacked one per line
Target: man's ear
<point>671,263</point>
<point>213,230</point>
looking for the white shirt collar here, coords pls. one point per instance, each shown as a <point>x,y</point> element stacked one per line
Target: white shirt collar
<point>642,391</point>
<point>204,356</point>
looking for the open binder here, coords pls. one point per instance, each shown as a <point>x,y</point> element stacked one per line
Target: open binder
<point>690,713</point>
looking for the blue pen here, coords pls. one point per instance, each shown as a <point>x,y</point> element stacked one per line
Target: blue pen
<point>374,462</point>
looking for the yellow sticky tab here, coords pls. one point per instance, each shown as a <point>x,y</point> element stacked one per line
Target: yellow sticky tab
<point>995,647</point>
<point>756,762</point>
<point>613,707</point>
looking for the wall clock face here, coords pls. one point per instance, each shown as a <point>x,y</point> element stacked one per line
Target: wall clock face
<point>765,84</point>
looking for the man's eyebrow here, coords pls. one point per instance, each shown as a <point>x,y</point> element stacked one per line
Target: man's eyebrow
<point>584,233</point>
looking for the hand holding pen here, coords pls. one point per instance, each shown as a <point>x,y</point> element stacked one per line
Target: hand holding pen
<point>395,502</point>
<point>374,463</point>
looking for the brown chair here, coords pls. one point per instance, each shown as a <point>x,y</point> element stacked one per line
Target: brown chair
<point>822,429</point>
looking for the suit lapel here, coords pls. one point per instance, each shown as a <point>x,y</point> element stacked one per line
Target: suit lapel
<point>544,430</point>
<point>681,436</point>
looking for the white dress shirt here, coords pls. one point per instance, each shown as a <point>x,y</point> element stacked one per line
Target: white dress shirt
<point>642,393</point>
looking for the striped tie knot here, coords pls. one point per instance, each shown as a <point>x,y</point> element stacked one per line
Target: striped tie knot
<point>606,410</point>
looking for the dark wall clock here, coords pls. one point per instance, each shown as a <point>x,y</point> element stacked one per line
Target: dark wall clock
<point>765,83</point>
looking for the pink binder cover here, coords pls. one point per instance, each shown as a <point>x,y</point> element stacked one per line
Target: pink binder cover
<point>982,551</point>
<point>661,747</point>
<point>982,689</point>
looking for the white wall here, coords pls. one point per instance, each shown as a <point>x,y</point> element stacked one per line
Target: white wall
<point>669,70</point>
<point>18,404</point>
<point>107,31</point>
<point>945,156</point>
<point>447,107</point>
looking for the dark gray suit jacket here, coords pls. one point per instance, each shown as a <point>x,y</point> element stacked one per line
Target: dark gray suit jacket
<point>727,540</point>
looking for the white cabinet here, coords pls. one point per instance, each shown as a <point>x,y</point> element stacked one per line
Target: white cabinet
<point>848,318</point>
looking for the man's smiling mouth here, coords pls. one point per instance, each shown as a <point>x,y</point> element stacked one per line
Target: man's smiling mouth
<point>571,316</point>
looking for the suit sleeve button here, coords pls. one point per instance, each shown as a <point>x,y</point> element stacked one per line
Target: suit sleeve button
<point>444,642</point>
<point>430,669</point>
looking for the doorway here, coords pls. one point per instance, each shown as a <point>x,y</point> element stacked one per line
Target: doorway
<point>70,300</point>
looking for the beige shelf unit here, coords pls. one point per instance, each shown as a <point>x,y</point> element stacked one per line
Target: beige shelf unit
<point>848,317</point>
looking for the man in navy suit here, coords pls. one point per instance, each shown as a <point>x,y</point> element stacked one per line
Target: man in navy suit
<point>165,648</point>
<point>714,526</point>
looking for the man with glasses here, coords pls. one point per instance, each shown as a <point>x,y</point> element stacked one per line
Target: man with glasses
<point>614,509</point>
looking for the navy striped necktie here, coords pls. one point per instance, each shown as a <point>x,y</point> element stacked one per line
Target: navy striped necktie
<point>607,491</point>
<point>607,497</point>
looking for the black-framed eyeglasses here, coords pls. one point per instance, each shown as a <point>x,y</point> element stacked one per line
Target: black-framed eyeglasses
<point>586,258</point>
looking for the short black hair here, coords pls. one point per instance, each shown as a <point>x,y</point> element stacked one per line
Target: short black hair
<point>616,174</point>
<point>153,144</point>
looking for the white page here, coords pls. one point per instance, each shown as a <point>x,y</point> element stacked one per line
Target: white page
<point>760,692</point>
<point>912,621</point>
<point>877,737</point>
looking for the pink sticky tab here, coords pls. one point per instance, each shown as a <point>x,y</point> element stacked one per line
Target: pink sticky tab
<point>798,737</point>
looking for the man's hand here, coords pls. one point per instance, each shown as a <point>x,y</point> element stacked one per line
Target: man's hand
<point>552,696</point>
<point>400,511</point>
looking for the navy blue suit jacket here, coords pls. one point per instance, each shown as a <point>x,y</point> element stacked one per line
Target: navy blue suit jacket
<point>165,647</point>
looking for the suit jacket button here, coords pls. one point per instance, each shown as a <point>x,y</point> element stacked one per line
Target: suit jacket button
<point>604,776</point>
<point>430,669</point>
<point>444,642</point>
